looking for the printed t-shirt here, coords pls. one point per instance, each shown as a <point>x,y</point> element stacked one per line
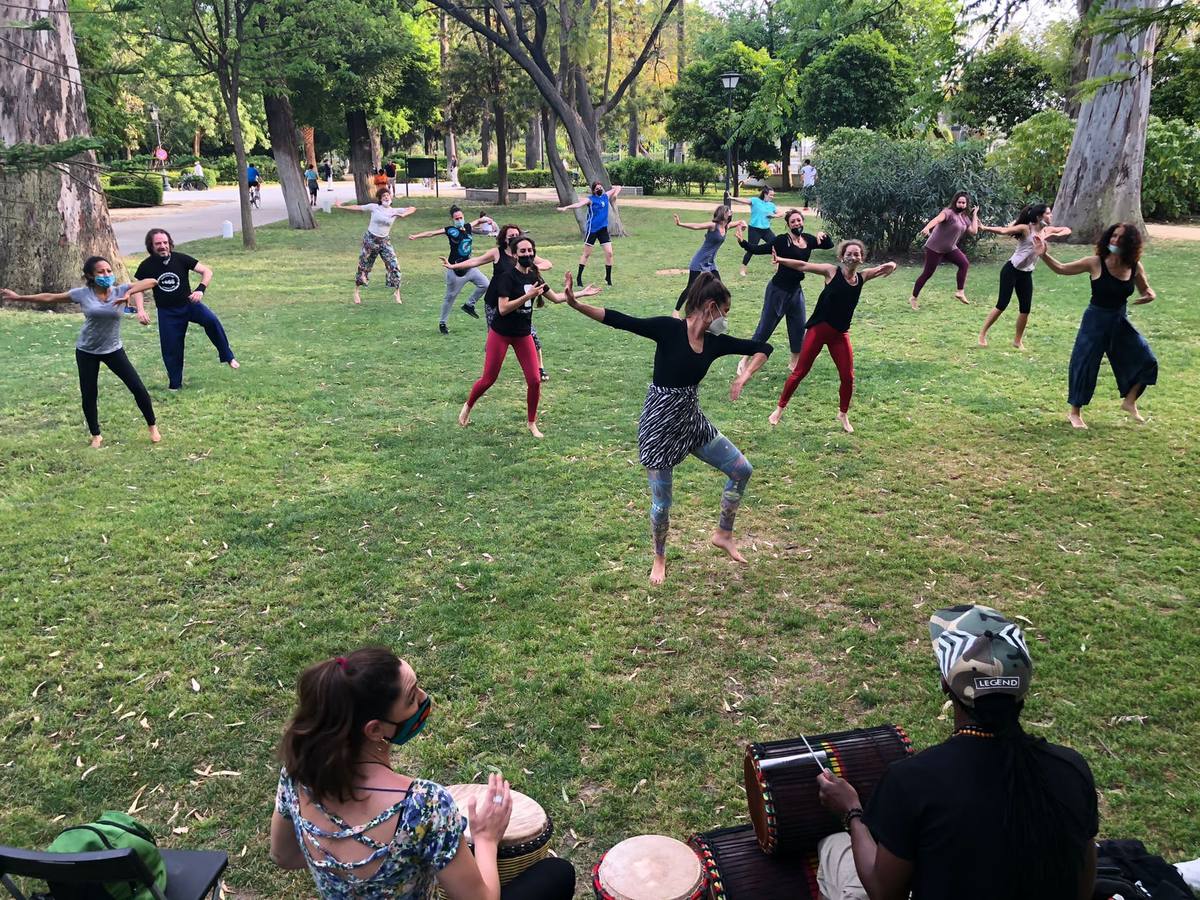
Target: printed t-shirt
<point>597,212</point>
<point>460,240</point>
<point>174,287</point>
<point>519,321</point>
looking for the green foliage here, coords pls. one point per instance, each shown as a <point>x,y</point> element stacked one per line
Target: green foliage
<point>131,191</point>
<point>1171,177</point>
<point>517,178</point>
<point>1034,155</point>
<point>861,82</point>
<point>656,176</point>
<point>1176,91</point>
<point>1000,87</point>
<point>19,158</point>
<point>883,190</point>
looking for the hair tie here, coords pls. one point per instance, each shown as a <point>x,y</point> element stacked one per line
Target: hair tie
<point>341,661</point>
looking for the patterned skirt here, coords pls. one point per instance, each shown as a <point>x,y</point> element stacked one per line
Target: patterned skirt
<point>672,426</point>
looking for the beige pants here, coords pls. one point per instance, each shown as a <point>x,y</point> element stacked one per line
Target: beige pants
<point>836,876</point>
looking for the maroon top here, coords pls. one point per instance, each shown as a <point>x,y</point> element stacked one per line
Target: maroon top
<point>948,232</point>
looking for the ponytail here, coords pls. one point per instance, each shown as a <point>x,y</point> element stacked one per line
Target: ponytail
<point>706,287</point>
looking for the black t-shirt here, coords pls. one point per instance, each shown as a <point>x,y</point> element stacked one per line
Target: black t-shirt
<point>173,287</point>
<point>500,267</point>
<point>390,170</point>
<point>676,364</point>
<point>786,278</point>
<point>460,242</point>
<point>512,284</point>
<point>942,810</point>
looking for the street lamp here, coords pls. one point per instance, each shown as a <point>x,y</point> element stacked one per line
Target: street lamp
<point>158,143</point>
<point>729,81</point>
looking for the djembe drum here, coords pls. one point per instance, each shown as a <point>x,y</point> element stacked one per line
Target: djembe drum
<point>526,839</point>
<point>736,868</point>
<point>649,867</point>
<point>781,782</point>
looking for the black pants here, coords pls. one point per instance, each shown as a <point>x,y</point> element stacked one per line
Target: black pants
<point>756,235</point>
<point>692,276</point>
<point>89,373</point>
<point>1012,278</point>
<point>549,879</point>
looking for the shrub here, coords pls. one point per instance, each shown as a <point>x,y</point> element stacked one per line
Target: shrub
<point>883,190</point>
<point>1034,155</point>
<point>638,171</point>
<point>134,193</point>
<point>517,178</point>
<point>1171,177</point>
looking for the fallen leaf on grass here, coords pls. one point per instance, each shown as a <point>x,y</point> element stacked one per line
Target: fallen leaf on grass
<point>88,772</point>
<point>195,685</point>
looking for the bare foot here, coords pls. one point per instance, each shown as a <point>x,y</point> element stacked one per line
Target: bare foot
<point>912,301</point>
<point>357,298</point>
<point>155,437</point>
<point>535,431</point>
<point>676,314</point>
<point>774,417</point>
<point>845,420</point>
<point>658,571</point>
<point>1130,406</point>
<point>234,364</point>
<point>1020,345</point>
<point>962,298</point>
<point>1076,420</point>
<point>397,296</point>
<point>464,415</point>
<point>741,366</point>
<point>96,441</point>
<point>982,339</point>
<point>724,540</point>
<point>742,272</point>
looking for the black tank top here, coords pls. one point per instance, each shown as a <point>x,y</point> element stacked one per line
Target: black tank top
<point>1108,291</point>
<point>837,302</point>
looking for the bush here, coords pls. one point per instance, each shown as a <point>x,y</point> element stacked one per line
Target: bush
<point>882,190</point>
<point>134,193</point>
<point>1034,155</point>
<point>1171,177</point>
<point>190,182</point>
<point>638,171</point>
<point>517,178</point>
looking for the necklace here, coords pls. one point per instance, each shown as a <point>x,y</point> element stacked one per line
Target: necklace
<point>972,731</point>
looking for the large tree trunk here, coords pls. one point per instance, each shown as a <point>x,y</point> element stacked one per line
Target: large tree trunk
<point>360,154</point>
<point>558,168</point>
<point>785,157</point>
<point>376,148</point>
<point>196,137</point>
<point>1102,178</point>
<point>53,218</point>
<point>451,145</point>
<point>309,137</point>
<point>533,142</point>
<point>281,127</point>
<point>631,135</point>
<point>501,121</point>
<point>230,88</point>
<point>1081,56</point>
<point>680,65</point>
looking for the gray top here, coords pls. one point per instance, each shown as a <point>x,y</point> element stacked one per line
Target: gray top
<point>101,332</point>
<point>1024,259</point>
<point>382,218</point>
<point>705,259</point>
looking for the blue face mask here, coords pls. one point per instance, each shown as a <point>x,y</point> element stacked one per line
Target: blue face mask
<point>104,281</point>
<point>1113,248</point>
<point>410,727</point>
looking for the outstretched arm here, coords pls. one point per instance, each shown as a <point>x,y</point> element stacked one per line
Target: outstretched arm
<point>576,205</point>
<point>880,271</point>
<point>565,296</point>
<point>613,191</point>
<point>933,223</point>
<point>426,234</point>
<point>695,226</point>
<point>761,249</point>
<point>44,297</point>
<point>1055,231</point>
<point>739,200</point>
<point>474,262</point>
<point>592,312</point>
<point>1146,292</point>
<point>1089,264</point>
<point>1009,230</point>
<point>543,265</point>
<point>825,269</point>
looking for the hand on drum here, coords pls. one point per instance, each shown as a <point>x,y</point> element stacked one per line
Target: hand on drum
<point>837,795</point>
<point>489,815</point>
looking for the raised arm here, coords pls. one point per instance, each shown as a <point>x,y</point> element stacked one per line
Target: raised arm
<point>739,200</point>
<point>880,271</point>
<point>474,262</point>
<point>695,226</point>
<point>426,234</point>
<point>576,205</point>
<point>35,298</point>
<point>1143,286</point>
<point>825,269</point>
<point>481,220</point>
<point>973,228</point>
<point>613,191</point>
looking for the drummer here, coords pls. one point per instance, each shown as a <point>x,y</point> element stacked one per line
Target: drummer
<point>366,831</point>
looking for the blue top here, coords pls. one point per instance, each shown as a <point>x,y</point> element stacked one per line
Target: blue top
<point>705,259</point>
<point>761,212</point>
<point>310,174</point>
<point>252,172</point>
<point>101,332</point>
<point>597,213</point>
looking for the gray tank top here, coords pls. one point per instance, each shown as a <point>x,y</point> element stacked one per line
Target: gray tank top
<point>705,259</point>
<point>1023,258</point>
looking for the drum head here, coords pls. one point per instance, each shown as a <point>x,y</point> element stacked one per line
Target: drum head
<point>528,818</point>
<point>650,867</point>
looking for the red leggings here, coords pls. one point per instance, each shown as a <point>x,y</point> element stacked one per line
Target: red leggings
<point>933,259</point>
<point>821,335</point>
<point>494,353</point>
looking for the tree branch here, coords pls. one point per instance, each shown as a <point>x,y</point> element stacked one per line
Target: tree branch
<point>636,68</point>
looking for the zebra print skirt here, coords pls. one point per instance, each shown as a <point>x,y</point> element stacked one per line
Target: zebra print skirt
<point>672,426</point>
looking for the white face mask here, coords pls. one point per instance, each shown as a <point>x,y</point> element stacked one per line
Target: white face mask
<point>1113,248</point>
<point>718,326</point>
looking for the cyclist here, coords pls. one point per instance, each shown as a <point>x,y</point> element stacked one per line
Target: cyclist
<point>252,183</point>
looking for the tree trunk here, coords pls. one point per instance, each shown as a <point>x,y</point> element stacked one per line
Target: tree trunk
<point>533,143</point>
<point>308,135</point>
<point>196,136</point>
<point>631,135</point>
<point>558,168</point>
<point>485,138</point>
<point>451,144</point>
<point>1102,178</point>
<point>229,93</point>
<point>54,218</point>
<point>501,122</point>
<point>680,65</point>
<point>360,154</point>
<point>281,127</point>
<point>785,156</point>
<point>376,148</point>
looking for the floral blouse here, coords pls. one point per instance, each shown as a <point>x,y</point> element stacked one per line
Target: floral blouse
<point>429,828</point>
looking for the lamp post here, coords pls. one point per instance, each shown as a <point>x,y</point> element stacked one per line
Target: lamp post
<point>158,144</point>
<point>729,81</point>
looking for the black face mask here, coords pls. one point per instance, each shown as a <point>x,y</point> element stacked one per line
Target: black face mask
<point>798,231</point>
<point>526,259</point>
<point>598,191</point>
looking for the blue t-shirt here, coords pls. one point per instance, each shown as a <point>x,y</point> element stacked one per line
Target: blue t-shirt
<point>598,213</point>
<point>761,212</point>
<point>311,175</point>
<point>251,174</point>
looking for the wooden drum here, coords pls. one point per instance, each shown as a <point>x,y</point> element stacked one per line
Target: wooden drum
<point>649,867</point>
<point>781,782</point>
<point>737,869</point>
<point>526,839</point>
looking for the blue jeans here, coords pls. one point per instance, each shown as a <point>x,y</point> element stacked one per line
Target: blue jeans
<point>172,330</point>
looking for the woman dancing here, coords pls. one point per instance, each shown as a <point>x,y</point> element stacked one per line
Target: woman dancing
<point>672,424</point>
<point>705,259</point>
<point>365,830</point>
<point>377,242</point>
<point>1017,274</point>
<point>944,231</point>
<point>784,296</point>
<point>762,211</point>
<point>516,292</point>
<point>830,322</point>
<point>103,306</point>
<point>1116,270</point>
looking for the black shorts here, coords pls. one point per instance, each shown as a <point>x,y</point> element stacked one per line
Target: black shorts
<point>312,187</point>
<point>253,183</point>
<point>599,236</point>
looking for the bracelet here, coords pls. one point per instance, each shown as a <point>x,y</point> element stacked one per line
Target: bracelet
<point>202,287</point>
<point>851,815</point>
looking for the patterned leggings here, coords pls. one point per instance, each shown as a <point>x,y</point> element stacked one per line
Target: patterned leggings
<point>373,246</point>
<point>718,453</point>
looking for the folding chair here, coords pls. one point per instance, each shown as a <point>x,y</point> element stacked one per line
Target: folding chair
<point>191,874</point>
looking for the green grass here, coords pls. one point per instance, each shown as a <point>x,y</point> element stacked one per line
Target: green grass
<point>324,497</point>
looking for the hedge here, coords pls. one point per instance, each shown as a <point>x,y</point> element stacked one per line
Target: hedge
<point>141,193</point>
<point>517,178</point>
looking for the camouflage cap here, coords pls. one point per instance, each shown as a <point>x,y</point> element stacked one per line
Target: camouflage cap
<point>979,652</point>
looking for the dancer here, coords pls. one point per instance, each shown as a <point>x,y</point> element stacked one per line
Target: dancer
<point>830,322</point>
<point>458,233</point>
<point>944,231</point>
<point>178,305</point>
<point>784,296</point>
<point>519,287</point>
<point>377,242</point>
<point>103,306</point>
<point>502,259</point>
<point>1116,270</point>
<point>762,211</point>
<point>672,424</point>
<point>1017,273</point>
<point>705,259</point>
<point>597,228</point>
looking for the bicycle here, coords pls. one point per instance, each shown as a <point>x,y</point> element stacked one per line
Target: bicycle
<point>256,196</point>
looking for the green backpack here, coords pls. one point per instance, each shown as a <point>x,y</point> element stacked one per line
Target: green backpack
<point>115,831</point>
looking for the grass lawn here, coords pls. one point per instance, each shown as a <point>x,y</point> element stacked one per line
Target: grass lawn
<point>157,603</point>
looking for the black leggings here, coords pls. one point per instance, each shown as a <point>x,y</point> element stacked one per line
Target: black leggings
<point>1012,278</point>
<point>548,879</point>
<point>89,374</point>
<point>692,276</point>
<point>756,235</point>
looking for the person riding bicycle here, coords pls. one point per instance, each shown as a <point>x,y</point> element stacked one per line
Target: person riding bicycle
<point>253,185</point>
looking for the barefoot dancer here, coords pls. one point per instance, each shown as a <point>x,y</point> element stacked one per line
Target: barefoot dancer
<point>597,227</point>
<point>672,424</point>
<point>377,242</point>
<point>519,287</point>
<point>99,340</point>
<point>1105,329</point>
<point>830,322</point>
<point>705,259</point>
<point>945,230</point>
<point>762,211</point>
<point>459,234</point>
<point>1017,274</point>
